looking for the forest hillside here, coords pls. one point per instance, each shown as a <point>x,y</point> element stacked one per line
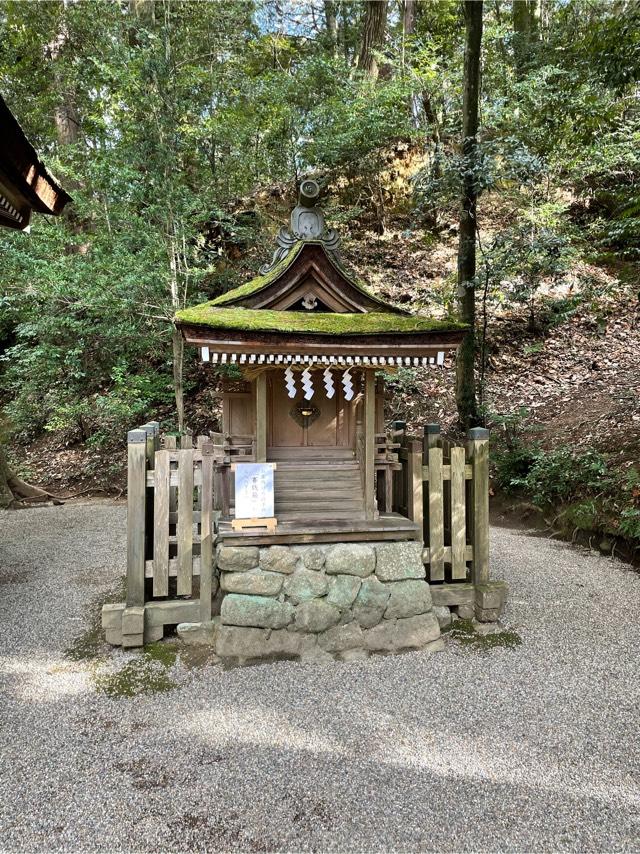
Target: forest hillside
<point>182,130</point>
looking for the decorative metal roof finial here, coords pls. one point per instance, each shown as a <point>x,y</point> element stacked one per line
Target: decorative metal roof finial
<point>307,223</point>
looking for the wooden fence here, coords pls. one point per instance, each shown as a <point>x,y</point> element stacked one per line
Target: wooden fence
<point>445,488</point>
<point>174,491</point>
<point>169,536</point>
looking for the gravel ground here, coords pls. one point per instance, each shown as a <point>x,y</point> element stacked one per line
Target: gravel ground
<point>532,748</point>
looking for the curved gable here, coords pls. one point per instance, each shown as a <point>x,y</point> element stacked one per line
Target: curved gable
<point>307,273</point>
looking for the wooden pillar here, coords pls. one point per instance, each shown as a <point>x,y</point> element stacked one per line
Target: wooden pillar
<point>379,405</point>
<point>478,453</point>
<point>369,443</point>
<point>136,493</point>
<point>261,417</point>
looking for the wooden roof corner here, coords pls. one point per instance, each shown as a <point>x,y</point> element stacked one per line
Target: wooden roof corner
<point>25,183</point>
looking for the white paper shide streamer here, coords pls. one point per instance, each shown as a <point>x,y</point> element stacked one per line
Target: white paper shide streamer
<point>347,384</point>
<point>307,385</point>
<point>290,382</point>
<point>328,383</point>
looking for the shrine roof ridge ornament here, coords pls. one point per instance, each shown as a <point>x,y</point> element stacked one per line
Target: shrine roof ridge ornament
<point>306,223</point>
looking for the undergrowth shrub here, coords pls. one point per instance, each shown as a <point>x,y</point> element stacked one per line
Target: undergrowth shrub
<point>587,491</point>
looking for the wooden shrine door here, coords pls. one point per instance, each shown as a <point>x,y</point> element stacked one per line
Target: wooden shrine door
<point>326,424</point>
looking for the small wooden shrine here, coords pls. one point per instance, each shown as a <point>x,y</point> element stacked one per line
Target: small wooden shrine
<point>307,527</point>
<point>307,339</point>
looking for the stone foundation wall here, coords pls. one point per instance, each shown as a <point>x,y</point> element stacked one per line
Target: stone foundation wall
<point>340,600</point>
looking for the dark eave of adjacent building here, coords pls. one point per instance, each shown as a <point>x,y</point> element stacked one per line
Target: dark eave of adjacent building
<point>25,183</point>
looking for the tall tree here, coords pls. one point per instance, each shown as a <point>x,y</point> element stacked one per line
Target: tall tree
<point>331,22</point>
<point>374,29</point>
<point>465,376</point>
<point>525,15</point>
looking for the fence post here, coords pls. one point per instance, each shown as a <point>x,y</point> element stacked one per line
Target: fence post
<point>184,527</point>
<point>399,498</point>
<point>478,451</point>
<point>415,509</point>
<point>432,438</point>
<point>151,429</point>
<point>136,489</point>
<point>432,501</point>
<point>133,614</point>
<point>206,541</point>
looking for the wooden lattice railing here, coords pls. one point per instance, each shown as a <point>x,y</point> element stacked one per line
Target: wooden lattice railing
<point>445,488</point>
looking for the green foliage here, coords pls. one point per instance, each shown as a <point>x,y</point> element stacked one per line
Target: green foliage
<point>352,128</point>
<point>512,454</point>
<point>592,493</point>
<point>547,476</point>
<point>561,474</point>
<point>181,111</point>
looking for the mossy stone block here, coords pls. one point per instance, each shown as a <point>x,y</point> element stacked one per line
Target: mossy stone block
<point>237,558</point>
<point>253,583</point>
<point>305,584</point>
<point>397,561</point>
<point>343,590</point>
<point>316,616</point>
<point>407,599</point>
<point>278,559</point>
<point>350,559</point>
<point>256,611</point>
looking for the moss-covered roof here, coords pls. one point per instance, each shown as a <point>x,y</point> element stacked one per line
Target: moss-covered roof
<point>311,323</point>
<point>258,283</point>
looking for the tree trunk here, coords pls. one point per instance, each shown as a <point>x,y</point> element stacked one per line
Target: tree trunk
<point>526,32</point>
<point>373,33</point>
<point>178,366</point>
<point>14,490</point>
<point>65,112</point>
<point>176,337</point>
<point>331,22</point>
<point>408,17</point>
<point>408,23</point>
<point>465,376</point>
<point>6,494</point>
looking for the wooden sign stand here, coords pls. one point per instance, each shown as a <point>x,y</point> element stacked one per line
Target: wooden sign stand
<point>267,523</point>
<point>243,524</point>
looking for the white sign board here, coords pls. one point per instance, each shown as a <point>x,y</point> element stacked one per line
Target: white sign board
<point>254,490</point>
